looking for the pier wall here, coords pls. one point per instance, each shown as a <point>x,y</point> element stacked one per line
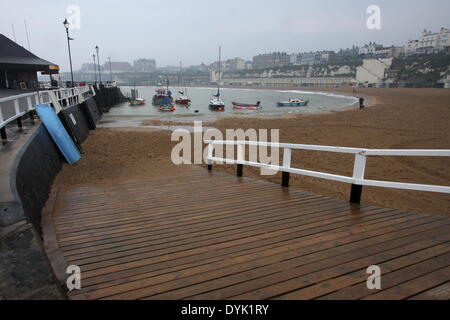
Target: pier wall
<point>31,164</point>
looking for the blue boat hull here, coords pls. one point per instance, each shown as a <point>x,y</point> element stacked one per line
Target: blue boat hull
<point>59,134</point>
<point>299,104</point>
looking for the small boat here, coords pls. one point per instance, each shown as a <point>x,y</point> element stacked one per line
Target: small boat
<point>183,99</point>
<point>246,106</point>
<point>136,101</point>
<point>293,103</point>
<point>167,105</point>
<point>216,104</point>
<point>167,108</point>
<point>161,94</point>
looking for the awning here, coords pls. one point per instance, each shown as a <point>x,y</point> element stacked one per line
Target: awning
<point>15,57</point>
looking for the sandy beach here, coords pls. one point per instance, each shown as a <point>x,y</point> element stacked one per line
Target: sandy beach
<point>395,119</point>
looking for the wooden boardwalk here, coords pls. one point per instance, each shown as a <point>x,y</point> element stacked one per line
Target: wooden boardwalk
<point>203,235</point>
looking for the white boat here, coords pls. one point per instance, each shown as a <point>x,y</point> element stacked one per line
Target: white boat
<point>216,104</point>
<point>293,103</point>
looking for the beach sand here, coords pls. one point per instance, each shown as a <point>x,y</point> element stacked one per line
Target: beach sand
<point>395,119</point>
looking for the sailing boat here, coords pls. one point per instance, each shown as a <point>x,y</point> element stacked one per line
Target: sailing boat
<point>183,99</point>
<point>134,100</point>
<point>216,104</point>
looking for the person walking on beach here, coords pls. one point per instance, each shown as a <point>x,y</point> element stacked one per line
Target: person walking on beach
<point>361,103</point>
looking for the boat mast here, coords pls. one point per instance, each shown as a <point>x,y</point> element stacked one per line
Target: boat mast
<point>182,80</point>
<point>218,81</point>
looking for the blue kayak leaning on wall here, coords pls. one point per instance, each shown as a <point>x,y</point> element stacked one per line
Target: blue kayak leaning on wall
<point>58,133</point>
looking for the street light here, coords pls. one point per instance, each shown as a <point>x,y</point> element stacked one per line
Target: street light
<point>66,25</point>
<point>95,69</point>
<point>98,59</point>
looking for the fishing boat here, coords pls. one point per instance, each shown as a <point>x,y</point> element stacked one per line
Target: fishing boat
<point>183,99</point>
<point>162,93</point>
<point>293,103</point>
<point>246,106</point>
<point>136,101</point>
<point>216,104</point>
<point>166,105</point>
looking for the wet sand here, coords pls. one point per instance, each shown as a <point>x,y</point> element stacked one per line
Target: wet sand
<point>396,119</point>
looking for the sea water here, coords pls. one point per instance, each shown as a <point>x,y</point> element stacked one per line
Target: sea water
<point>200,97</point>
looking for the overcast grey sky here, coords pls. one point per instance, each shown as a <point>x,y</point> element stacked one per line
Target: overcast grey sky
<point>191,30</point>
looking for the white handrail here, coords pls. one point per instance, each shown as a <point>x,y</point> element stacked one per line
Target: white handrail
<point>359,167</point>
<point>60,99</point>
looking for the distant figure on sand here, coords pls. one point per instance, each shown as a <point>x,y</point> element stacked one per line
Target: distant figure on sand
<point>361,102</point>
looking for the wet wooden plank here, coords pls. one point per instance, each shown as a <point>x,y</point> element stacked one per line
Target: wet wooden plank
<point>203,235</point>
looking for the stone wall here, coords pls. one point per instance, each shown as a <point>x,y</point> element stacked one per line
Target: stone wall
<point>33,162</point>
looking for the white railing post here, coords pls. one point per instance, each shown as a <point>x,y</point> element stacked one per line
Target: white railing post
<point>30,105</point>
<point>209,156</point>
<point>240,159</point>
<point>359,169</point>
<point>16,106</point>
<point>287,155</point>
<point>1,115</point>
<point>56,105</point>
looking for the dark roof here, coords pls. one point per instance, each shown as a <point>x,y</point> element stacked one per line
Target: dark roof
<point>14,56</point>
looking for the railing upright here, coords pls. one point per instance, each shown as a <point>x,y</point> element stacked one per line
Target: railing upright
<point>210,155</point>
<point>240,159</point>
<point>359,169</point>
<point>287,154</point>
<point>357,180</point>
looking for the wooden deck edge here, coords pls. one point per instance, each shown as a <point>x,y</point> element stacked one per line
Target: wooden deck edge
<point>54,254</point>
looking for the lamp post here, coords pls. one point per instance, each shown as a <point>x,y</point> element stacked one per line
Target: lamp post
<point>66,25</point>
<point>95,68</point>
<point>98,60</point>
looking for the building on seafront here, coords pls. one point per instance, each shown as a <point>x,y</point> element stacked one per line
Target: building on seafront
<point>19,67</point>
<point>429,42</point>
<point>144,65</point>
<point>312,82</point>
<point>374,50</point>
<point>118,67</point>
<point>271,60</point>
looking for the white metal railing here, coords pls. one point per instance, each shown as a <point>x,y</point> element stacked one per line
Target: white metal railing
<point>16,106</point>
<point>359,167</point>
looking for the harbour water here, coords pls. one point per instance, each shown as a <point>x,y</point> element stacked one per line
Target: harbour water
<point>200,97</point>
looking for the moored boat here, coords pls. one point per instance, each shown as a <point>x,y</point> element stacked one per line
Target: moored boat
<point>216,104</point>
<point>161,94</point>
<point>167,108</point>
<point>136,101</point>
<point>167,105</point>
<point>183,99</point>
<point>293,103</point>
<point>246,106</point>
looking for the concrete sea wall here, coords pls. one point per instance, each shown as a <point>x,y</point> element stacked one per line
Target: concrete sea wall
<point>30,167</point>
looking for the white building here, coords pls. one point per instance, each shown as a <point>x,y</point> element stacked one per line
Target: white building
<point>373,71</point>
<point>235,64</point>
<point>429,42</point>
<point>370,49</point>
<point>411,47</point>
